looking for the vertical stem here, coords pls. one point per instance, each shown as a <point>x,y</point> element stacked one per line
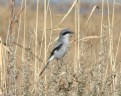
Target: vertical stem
<point>79,90</point>
<point>36,32</point>
<point>101,53</point>
<point>75,55</point>
<point>11,65</point>
<point>25,68</point>
<point>78,30</point>
<point>102,18</point>
<point>19,27</point>
<point>12,16</point>
<point>1,66</point>
<point>112,55</point>
<point>45,21</point>
<point>113,13</point>
<point>77,44</point>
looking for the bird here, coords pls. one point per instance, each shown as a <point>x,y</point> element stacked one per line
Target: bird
<point>60,48</point>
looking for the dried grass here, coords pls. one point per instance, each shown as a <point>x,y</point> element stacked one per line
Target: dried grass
<point>92,64</point>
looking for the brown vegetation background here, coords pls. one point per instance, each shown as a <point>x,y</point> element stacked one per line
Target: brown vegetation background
<point>28,33</point>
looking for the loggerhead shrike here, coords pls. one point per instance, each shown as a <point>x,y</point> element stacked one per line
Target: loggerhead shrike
<point>60,48</point>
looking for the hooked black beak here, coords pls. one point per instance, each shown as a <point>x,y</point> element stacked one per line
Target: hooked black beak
<point>71,33</point>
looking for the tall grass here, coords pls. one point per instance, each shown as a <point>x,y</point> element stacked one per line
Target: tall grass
<point>91,65</point>
<point>11,89</point>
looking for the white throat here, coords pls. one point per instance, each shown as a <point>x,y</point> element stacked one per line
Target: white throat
<point>66,38</point>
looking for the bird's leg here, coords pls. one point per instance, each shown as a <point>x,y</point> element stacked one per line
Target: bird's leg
<point>57,61</point>
<point>64,65</point>
<point>58,65</point>
<point>62,62</point>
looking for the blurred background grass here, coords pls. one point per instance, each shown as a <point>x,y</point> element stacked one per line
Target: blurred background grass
<point>59,9</point>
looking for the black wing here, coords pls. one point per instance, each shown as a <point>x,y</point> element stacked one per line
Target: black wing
<point>56,49</point>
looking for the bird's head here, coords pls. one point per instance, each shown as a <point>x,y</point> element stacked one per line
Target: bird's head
<point>65,33</point>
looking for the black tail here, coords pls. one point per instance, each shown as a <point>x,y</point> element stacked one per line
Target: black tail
<point>44,69</point>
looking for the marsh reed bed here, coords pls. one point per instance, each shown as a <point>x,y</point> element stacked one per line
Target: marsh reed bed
<point>28,33</point>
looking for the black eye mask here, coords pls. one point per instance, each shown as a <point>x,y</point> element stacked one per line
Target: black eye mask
<point>67,32</point>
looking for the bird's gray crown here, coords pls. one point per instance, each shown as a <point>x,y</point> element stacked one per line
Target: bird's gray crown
<point>65,31</point>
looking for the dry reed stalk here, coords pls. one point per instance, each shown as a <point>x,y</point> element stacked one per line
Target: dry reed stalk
<point>25,69</point>
<point>19,27</point>
<point>115,93</point>
<point>18,33</point>
<point>105,75</point>
<point>83,52</point>
<point>64,17</point>
<point>70,9</point>
<point>87,38</point>
<point>110,64</point>
<point>51,26</point>
<point>41,92</point>
<point>99,72</point>
<point>111,53</point>
<point>93,9</point>
<point>105,51</point>
<point>80,51</point>
<point>101,54</point>
<point>51,89</point>
<point>75,56</point>
<point>77,65</point>
<point>118,77</point>
<point>36,66</point>
<point>78,33</point>
<point>12,64</point>
<point>40,51</point>
<point>1,69</point>
<point>117,48</point>
<point>83,55</point>
<point>25,65</point>
<point>45,45</point>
